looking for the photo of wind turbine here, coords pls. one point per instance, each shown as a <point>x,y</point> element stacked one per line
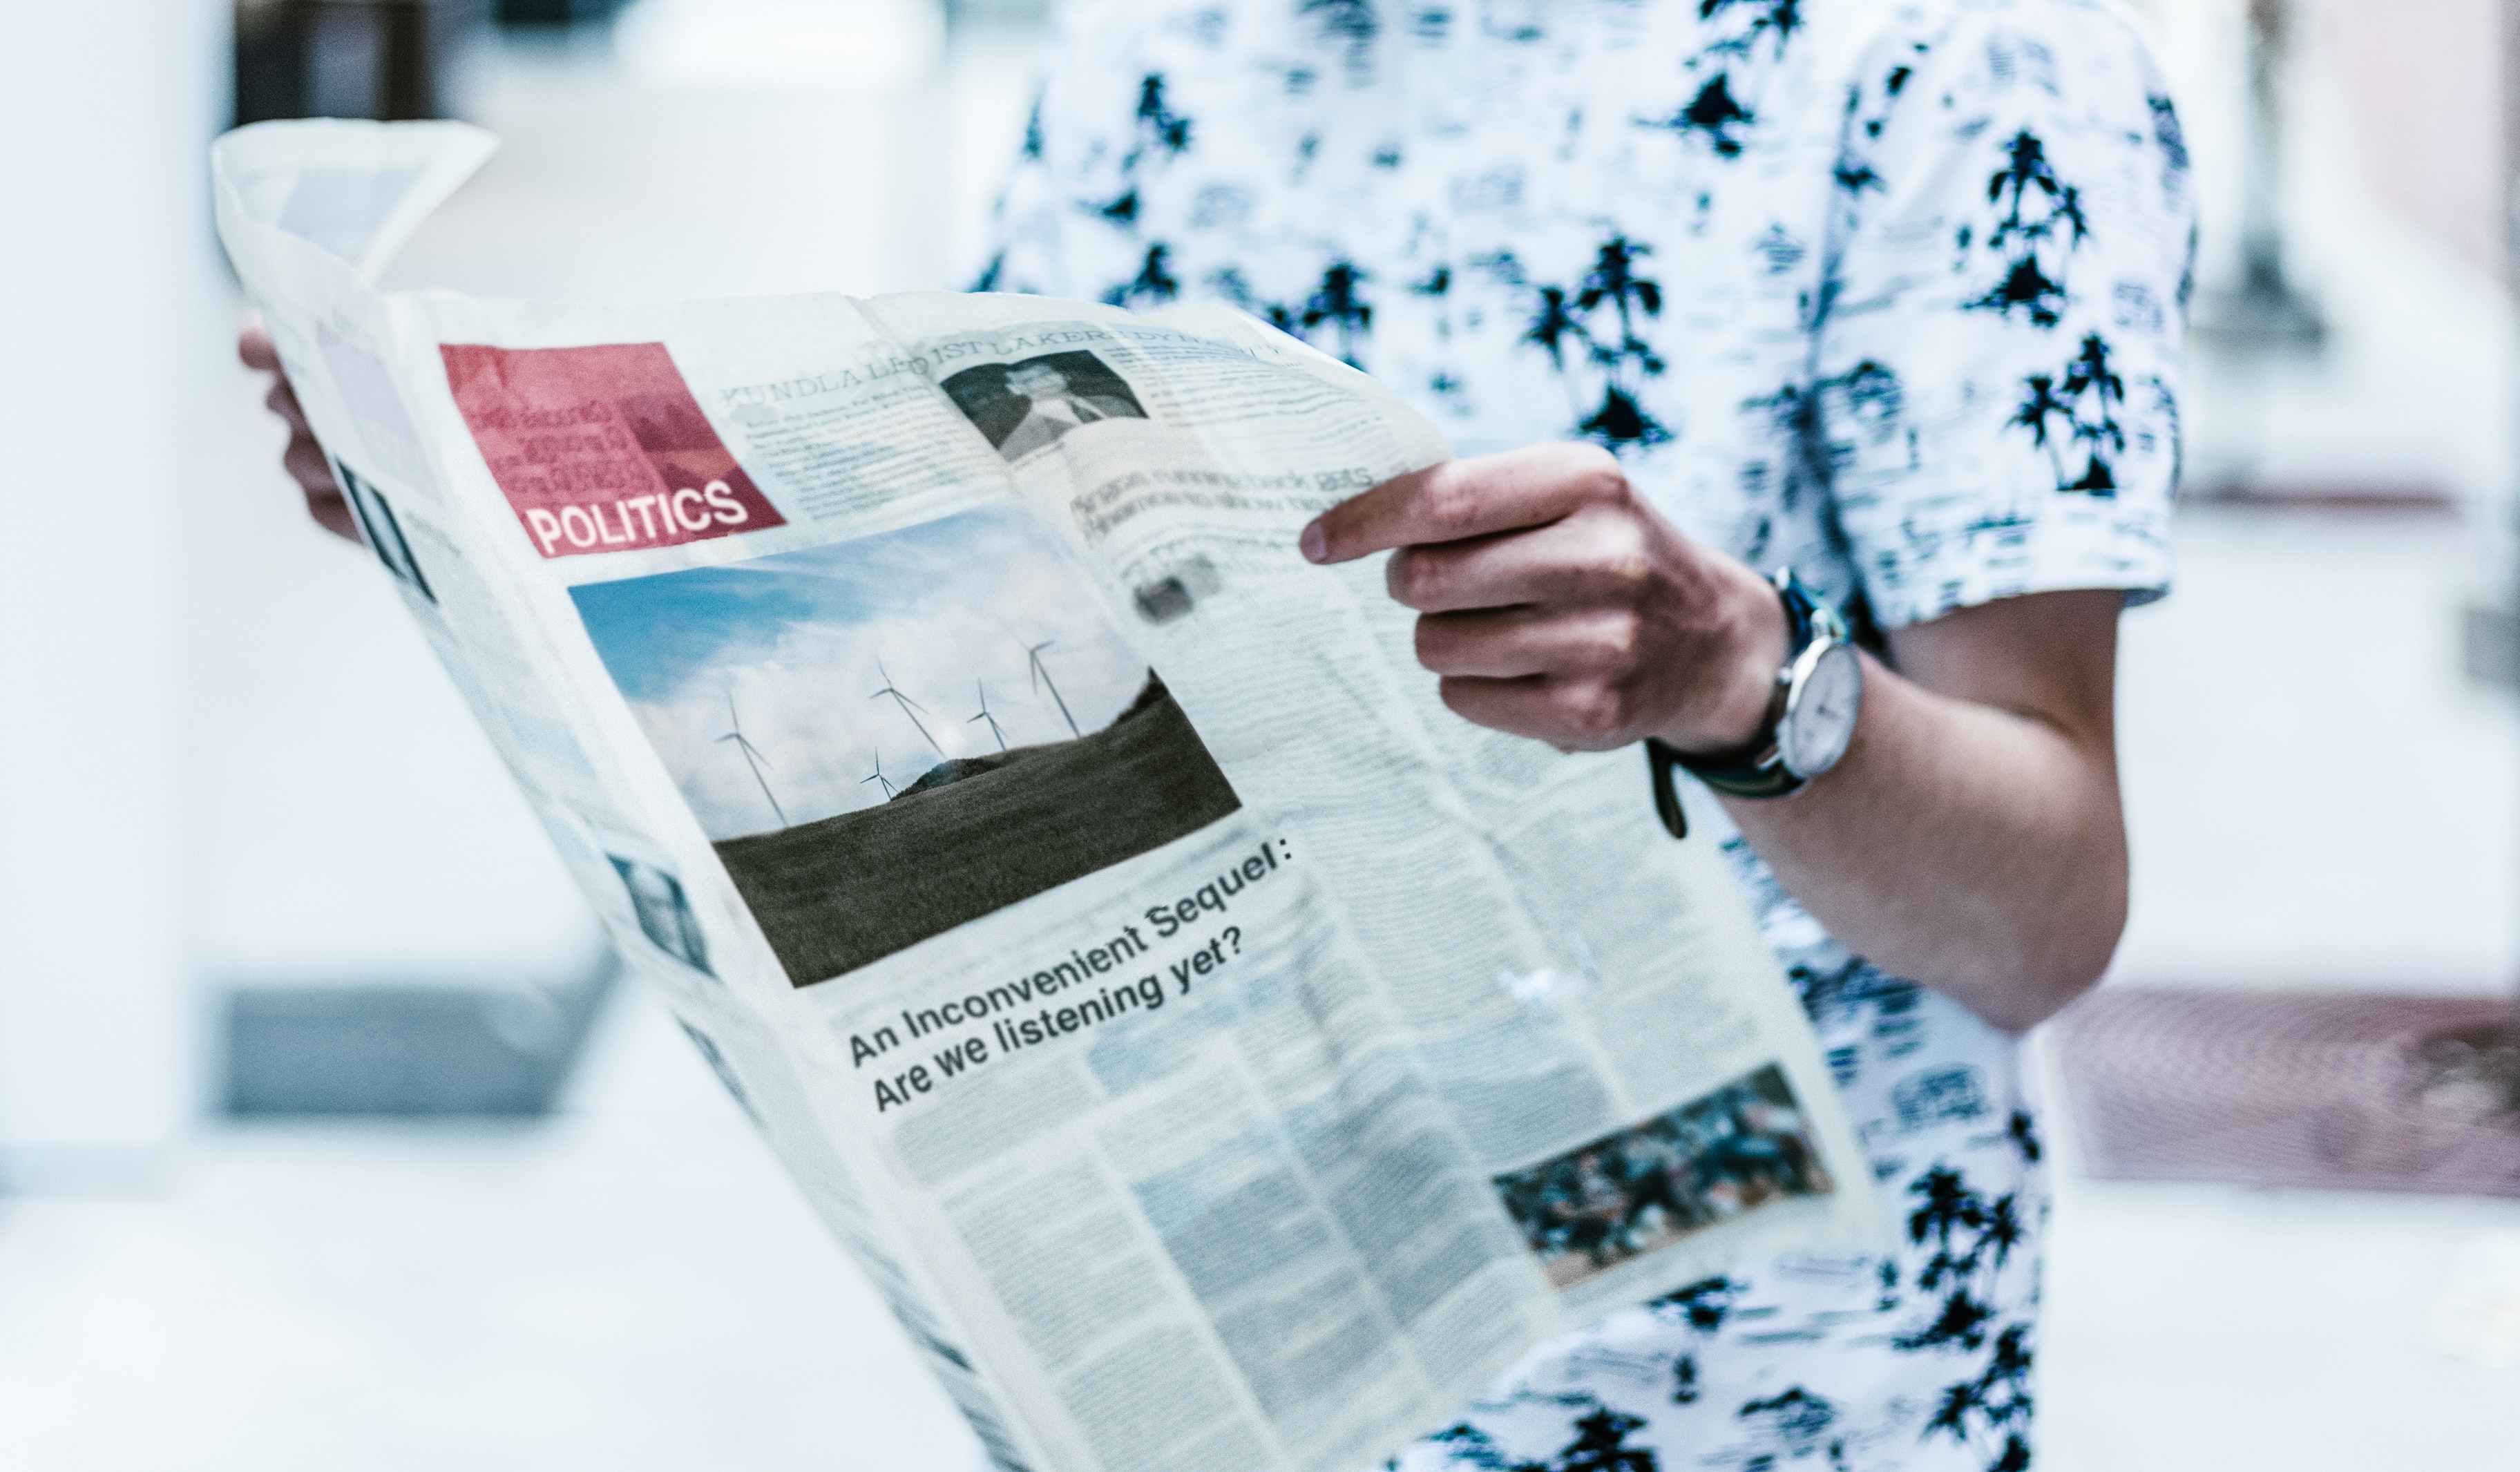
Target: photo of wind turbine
<point>995,728</point>
<point>839,860</point>
<point>909,707</point>
<point>752,757</point>
<point>1040,678</point>
<point>880,778</point>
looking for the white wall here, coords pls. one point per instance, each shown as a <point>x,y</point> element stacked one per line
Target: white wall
<point>110,319</point>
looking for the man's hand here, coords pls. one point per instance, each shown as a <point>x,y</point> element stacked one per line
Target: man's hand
<point>1555,603</point>
<point>303,460</point>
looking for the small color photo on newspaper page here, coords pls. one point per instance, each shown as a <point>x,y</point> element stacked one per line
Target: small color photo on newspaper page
<point>1701,1165</point>
<point>889,736</point>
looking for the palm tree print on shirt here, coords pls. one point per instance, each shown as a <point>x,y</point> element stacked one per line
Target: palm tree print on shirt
<point>1867,399</point>
<point>1578,321</point>
<point>1794,1420</point>
<point>1714,110</point>
<point>1702,1307</point>
<point>1349,24</point>
<point>1782,16</point>
<point>1158,130</point>
<point>1340,302</point>
<point>1599,1445</point>
<point>1158,125</point>
<point>1991,1411</point>
<point>2085,397</point>
<point>1153,286</point>
<point>1971,1237</point>
<point>2040,214</point>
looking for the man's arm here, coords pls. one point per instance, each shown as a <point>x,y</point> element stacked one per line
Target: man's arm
<point>1971,837</point>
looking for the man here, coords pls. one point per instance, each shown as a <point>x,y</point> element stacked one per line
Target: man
<point>1890,296</point>
<point>1051,407</point>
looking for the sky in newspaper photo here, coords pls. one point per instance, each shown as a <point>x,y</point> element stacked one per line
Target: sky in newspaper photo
<point>853,724</point>
<point>795,651</point>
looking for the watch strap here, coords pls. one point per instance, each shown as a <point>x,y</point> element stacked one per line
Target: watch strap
<point>1768,779</point>
<point>1765,776</point>
<point>1757,768</point>
<point>1659,762</point>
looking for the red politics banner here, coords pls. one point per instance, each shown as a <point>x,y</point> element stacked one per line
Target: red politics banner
<point>601,449</point>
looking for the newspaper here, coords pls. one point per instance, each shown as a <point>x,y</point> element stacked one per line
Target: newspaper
<point>1220,1055</point>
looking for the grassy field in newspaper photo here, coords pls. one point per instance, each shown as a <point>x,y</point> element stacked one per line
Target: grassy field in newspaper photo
<point>1652,1184</point>
<point>890,736</point>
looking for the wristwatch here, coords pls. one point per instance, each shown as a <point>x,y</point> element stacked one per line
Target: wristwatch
<point>1810,721</point>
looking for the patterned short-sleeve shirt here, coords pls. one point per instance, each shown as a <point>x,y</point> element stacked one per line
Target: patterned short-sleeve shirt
<point>1889,292</point>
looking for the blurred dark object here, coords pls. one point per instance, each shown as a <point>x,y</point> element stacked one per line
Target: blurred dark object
<point>381,59</point>
<point>2407,498</point>
<point>408,1050</point>
<point>2475,1069</point>
<point>2268,314</point>
<point>555,12</point>
<point>2342,1092</point>
<point>2490,643</point>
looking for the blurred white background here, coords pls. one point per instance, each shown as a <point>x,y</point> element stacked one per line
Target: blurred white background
<point>227,760</point>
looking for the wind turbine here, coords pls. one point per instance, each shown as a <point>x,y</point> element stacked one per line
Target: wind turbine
<point>752,756</point>
<point>909,707</point>
<point>879,778</point>
<point>1041,677</point>
<point>995,728</point>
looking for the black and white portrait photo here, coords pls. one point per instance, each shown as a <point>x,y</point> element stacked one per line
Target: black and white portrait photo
<point>1026,405</point>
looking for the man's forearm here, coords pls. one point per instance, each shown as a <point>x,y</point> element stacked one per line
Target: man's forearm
<point>1977,850</point>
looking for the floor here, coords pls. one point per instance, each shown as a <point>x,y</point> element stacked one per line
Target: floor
<point>2315,798</point>
<point>631,1285</point>
<point>2193,1328</point>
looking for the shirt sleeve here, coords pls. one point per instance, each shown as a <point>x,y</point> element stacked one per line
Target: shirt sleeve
<point>1994,385</point>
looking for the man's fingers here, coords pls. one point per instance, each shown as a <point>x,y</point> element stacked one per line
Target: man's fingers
<point>254,347</point>
<point>1515,707</point>
<point>331,513</point>
<point>306,463</point>
<point>1512,643</point>
<point>1570,714</point>
<point>1464,498</point>
<point>1496,643</point>
<point>1581,558</point>
<point>303,460</point>
<point>283,401</point>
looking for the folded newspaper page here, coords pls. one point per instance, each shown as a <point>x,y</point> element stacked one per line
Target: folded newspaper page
<point>1219,1054</point>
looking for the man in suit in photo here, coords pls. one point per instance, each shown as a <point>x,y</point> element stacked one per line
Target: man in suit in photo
<point>1053,407</point>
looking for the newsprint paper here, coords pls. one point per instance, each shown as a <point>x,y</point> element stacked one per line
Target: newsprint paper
<point>1221,1056</point>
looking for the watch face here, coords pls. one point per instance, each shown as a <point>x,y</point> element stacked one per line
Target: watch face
<point>1821,722</point>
